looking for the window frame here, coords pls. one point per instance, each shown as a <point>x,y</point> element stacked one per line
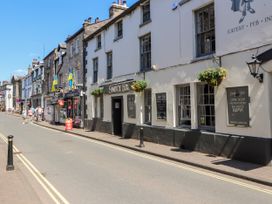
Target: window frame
<point>205,31</point>
<point>95,70</point>
<point>202,96</point>
<point>146,13</point>
<point>98,42</point>
<point>145,54</point>
<point>148,106</point>
<point>131,106</point>
<point>109,65</point>
<point>162,95</point>
<point>184,95</point>
<point>119,30</point>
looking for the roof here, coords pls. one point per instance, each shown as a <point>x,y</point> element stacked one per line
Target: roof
<point>52,51</point>
<point>115,19</point>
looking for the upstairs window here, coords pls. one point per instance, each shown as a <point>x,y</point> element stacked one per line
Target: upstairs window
<point>205,31</point>
<point>98,42</point>
<point>119,30</point>
<point>145,52</point>
<point>109,65</point>
<point>146,13</point>
<point>95,70</point>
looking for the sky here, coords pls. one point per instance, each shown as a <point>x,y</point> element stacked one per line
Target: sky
<point>32,28</point>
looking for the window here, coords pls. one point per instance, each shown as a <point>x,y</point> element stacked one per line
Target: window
<point>98,41</point>
<point>119,29</point>
<point>161,106</point>
<point>184,106</point>
<point>71,50</point>
<point>95,70</point>
<point>101,107</point>
<point>205,31</point>
<point>206,113</point>
<point>145,52</point>
<point>146,12</point>
<point>77,46</point>
<point>109,65</point>
<point>131,106</point>
<point>148,106</point>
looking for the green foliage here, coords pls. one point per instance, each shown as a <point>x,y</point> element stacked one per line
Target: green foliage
<point>213,76</point>
<point>98,92</point>
<point>139,85</point>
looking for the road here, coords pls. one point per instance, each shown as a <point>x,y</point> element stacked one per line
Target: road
<point>85,171</point>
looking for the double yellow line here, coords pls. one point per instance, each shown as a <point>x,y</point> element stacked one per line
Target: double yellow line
<point>47,186</point>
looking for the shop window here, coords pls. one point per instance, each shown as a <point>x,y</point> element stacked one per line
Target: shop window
<point>131,106</point>
<point>95,70</point>
<point>109,65</point>
<point>145,52</point>
<point>206,112</point>
<point>184,105</point>
<point>205,31</point>
<point>148,106</point>
<point>161,106</point>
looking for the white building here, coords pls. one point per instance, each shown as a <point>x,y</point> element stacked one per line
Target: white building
<point>167,44</point>
<point>6,100</point>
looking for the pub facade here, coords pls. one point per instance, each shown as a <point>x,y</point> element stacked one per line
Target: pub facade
<point>204,87</point>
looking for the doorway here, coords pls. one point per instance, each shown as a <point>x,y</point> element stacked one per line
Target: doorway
<point>117,115</point>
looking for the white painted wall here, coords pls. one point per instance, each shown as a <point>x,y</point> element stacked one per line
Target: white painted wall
<point>173,53</point>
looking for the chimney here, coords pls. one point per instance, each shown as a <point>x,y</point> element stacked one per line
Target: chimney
<point>97,20</point>
<point>117,8</point>
<point>87,22</point>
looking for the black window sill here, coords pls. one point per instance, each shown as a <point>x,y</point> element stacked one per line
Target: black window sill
<point>145,23</point>
<point>117,38</point>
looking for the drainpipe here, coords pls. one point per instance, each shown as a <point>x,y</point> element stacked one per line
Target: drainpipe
<point>84,84</point>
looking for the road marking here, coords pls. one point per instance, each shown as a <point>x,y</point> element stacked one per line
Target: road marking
<point>170,163</point>
<point>47,186</point>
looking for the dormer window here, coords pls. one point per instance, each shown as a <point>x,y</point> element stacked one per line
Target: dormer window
<point>146,13</point>
<point>98,42</point>
<point>119,30</point>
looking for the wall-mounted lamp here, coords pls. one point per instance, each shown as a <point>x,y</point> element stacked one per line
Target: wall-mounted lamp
<point>254,66</point>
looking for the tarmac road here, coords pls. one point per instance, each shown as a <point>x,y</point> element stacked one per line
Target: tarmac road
<point>85,171</point>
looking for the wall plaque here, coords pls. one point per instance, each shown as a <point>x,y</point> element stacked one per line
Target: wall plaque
<point>238,105</point>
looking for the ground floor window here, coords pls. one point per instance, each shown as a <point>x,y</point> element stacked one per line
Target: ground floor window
<point>206,112</point>
<point>184,105</point>
<point>147,106</point>
<point>101,107</point>
<point>131,106</point>
<point>161,106</point>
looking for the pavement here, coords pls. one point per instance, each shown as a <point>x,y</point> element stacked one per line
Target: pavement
<point>18,186</point>
<point>243,170</point>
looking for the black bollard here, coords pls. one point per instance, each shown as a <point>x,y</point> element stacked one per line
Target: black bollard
<point>141,137</point>
<point>10,166</point>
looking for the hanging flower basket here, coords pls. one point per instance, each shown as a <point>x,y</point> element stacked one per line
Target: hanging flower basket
<point>98,92</point>
<point>139,86</point>
<point>213,76</point>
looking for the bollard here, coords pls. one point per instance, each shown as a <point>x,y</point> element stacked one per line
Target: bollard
<point>10,166</point>
<point>141,137</point>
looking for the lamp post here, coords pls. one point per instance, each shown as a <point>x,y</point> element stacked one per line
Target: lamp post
<point>254,66</point>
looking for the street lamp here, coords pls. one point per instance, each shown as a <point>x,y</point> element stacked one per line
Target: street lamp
<point>254,66</point>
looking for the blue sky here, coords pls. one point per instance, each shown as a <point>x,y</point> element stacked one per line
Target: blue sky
<point>32,28</point>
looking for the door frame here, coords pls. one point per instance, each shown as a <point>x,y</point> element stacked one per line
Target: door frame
<point>122,112</point>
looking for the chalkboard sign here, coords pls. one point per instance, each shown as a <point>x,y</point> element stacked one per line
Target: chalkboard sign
<point>238,105</point>
<point>161,105</point>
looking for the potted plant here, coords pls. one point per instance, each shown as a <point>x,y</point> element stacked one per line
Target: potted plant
<point>97,92</point>
<point>139,86</point>
<point>213,76</point>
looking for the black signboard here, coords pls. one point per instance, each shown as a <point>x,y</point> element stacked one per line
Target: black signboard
<point>121,87</point>
<point>238,105</point>
<point>161,105</point>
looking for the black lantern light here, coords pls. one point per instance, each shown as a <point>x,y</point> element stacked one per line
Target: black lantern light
<point>254,66</point>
